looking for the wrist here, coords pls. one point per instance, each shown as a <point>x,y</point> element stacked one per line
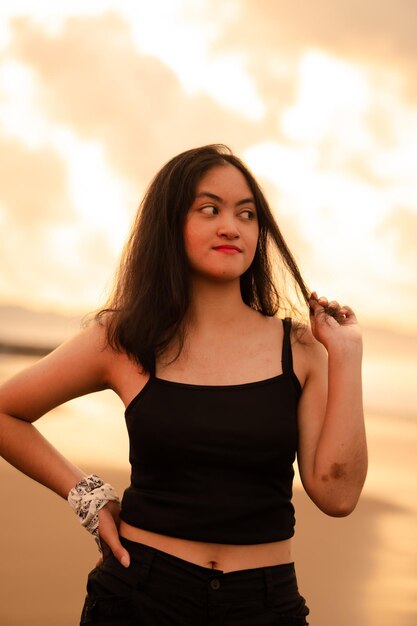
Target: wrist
<point>87,498</point>
<point>345,348</point>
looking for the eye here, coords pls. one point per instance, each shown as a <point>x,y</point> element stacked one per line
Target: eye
<point>209,209</point>
<point>248,214</point>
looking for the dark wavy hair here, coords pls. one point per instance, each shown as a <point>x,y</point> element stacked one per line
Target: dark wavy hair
<point>151,294</point>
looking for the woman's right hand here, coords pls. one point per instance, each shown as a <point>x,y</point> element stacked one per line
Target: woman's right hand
<point>108,526</point>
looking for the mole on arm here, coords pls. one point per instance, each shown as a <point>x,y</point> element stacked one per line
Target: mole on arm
<point>337,471</point>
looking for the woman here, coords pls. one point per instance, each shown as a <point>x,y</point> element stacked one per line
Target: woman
<point>220,396</point>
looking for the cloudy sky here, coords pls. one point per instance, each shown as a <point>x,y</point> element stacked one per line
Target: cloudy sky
<point>319,98</point>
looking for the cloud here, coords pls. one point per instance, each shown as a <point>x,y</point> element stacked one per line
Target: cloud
<point>95,86</point>
<point>341,72</point>
<point>93,79</point>
<point>33,186</point>
<point>380,32</point>
<point>47,254</point>
<point>92,82</point>
<point>400,229</point>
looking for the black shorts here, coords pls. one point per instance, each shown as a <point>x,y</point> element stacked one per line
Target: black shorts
<point>158,589</point>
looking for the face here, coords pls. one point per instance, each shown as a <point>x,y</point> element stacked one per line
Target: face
<point>221,227</point>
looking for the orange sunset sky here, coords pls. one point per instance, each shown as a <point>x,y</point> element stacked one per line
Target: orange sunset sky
<point>319,98</point>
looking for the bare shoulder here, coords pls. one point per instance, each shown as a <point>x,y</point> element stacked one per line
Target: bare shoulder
<point>114,366</point>
<point>88,349</point>
<point>309,355</point>
<point>121,372</point>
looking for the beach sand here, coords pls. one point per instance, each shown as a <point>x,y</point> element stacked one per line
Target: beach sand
<point>356,571</point>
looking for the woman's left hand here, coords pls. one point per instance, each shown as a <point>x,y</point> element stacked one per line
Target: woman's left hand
<point>333,324</point>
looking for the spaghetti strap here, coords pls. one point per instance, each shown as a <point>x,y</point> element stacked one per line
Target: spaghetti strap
<point>287,365</point>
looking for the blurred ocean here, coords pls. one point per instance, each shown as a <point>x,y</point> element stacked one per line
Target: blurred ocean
<point>389,367</point>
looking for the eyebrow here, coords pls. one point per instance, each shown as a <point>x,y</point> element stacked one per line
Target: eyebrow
<point>213,196</point>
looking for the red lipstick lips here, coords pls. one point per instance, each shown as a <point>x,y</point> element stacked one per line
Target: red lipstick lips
<point>227,248</point>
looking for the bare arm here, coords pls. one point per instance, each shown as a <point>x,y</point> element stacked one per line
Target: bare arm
<point>332,450</point>
<point>74,369</point>
<point>78,367</point>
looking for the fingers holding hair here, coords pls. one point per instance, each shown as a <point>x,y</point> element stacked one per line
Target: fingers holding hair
<point>321,306</point>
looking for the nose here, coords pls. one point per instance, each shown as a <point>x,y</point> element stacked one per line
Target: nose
<point>228,229</point>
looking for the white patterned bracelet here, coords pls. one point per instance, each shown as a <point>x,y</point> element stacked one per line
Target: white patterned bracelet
<point>87,498</point>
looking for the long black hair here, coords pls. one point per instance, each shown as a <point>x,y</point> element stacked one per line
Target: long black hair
<point>151,293</point>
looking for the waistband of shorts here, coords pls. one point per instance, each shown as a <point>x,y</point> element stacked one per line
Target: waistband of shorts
<point>139,550</point>
<point>156,565</point>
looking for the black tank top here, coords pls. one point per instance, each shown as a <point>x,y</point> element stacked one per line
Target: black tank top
<point>215,463</point>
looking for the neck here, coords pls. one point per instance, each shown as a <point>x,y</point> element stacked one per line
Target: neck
<point>215,304</point>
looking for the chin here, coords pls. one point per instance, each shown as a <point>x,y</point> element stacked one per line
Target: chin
<point>219,277</point>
